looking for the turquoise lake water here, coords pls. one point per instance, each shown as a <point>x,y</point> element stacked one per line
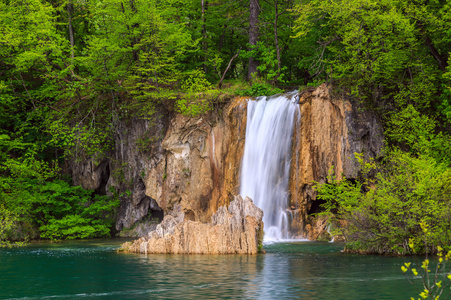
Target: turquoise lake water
<point>298,270</point>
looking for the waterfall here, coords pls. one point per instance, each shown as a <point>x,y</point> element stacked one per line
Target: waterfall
<point>328,231</point>
<point>265,168</point>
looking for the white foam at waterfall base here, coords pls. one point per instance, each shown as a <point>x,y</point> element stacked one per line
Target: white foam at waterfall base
<point>265,168</point>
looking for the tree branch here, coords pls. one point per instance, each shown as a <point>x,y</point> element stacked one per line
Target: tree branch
<point>442,64</point>
<point>228,67</point>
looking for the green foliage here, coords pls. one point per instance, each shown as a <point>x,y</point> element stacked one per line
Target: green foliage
<point>199,95</point>
<point>433,285</point>
<point>379,51</point>
<point>411,128</point>
<point>196,82</point>
<point>445,105</point>
<point>382,216</point>
<point>194,107</point>
<point>417,132</point>
<point>29,33</point>
<point>79,142</point>
<point>259,89</point>
<point>268,67</point>
<point>340,195</point>
<point>57,210</point>
<point>8,219</point>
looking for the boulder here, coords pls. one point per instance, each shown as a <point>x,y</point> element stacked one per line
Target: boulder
<point>237,229</point>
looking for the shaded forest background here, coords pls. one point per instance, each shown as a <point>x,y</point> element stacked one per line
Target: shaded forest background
<point>72,70</point>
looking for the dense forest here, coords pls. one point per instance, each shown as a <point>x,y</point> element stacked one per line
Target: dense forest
<point>70,70</point>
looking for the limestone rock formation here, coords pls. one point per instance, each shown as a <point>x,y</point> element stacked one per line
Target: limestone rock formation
<point>137,148</point>
<point>160,163</point>
<point>330,132</point>
<point>237,229</point>
<point>201,165</point>
<point>193,164</point>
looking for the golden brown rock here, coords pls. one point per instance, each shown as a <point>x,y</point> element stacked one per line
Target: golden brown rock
<point>201,166</point>
<point>330,131</point>
<point>236,230</point>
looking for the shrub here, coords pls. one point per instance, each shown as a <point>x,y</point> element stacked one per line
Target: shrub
<point>383,216</point>
<point>433,284</point>
<point>259,89</point>
<point>195,101</point>
<point>7,221</point>
<point>58,210</point>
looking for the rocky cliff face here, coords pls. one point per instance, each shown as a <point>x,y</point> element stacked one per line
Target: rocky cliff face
<point>330,132</point>
<point>237,229</point>
<point>200,169</point>
<point>193,164</point>
<point>138,148</point>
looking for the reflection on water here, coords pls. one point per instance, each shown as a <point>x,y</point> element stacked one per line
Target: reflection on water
<point>302,270</point>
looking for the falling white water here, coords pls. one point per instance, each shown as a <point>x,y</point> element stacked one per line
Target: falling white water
<point>328,231</point>
<point>266,161</point>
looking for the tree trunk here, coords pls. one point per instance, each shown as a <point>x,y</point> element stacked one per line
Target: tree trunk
<point>71,34</point>
<point>441,60</point>
<point>204,35</point>
<point>276,40</point>
<point>442,63</point>
<point>221,39</point>
<point>254,10</point>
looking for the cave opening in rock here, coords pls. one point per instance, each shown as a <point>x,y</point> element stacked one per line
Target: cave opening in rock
<point>315,207</point>
<point>155,213</point>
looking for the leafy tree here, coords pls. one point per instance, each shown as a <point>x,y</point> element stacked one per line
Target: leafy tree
<point>382,51</point>
<point>416,132</point>
<point>254,11</point>
<point>383,215</point>
<point>32,52</point>
<point>445,105</point>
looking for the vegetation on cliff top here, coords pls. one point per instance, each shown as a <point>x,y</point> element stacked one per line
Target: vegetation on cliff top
<point>71,71</point>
